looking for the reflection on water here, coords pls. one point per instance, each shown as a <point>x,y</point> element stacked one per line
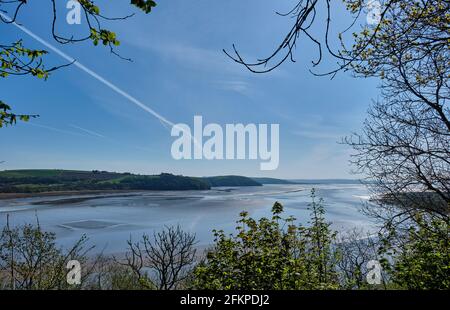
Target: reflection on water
<point>109,220</point>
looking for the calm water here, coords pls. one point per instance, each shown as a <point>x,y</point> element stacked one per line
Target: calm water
<point>109,221</point>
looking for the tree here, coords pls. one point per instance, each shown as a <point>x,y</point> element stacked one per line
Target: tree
<point>418,259</point>
<point>18,60</point>
<point>30,258</point>
<point>405,143</point>
<point>356,249</point>
<point>272,254</point>
<point>305,15</point>
<point>404,147</point>
<point>163,262</point>
<point>107,274</point>
<point>320,238</point>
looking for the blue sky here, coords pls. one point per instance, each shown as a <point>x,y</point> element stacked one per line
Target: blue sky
<point>179,70</point>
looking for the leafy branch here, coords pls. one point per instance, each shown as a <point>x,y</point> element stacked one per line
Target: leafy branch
<point>18,60</point>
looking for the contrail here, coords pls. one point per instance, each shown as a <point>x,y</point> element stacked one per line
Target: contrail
<point>164,121</point>
<point>55,129</point>
<point>85,131</point>
<point>90,72</point>
<point>91,132</point>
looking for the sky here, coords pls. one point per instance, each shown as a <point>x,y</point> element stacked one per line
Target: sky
<point>178,70</point>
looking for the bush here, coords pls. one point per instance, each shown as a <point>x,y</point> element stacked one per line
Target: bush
<point>30,259</point>
<point>419,259</point>
<point>272,254</point>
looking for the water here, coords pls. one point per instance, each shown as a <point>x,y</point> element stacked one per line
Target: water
<point>109,220</point>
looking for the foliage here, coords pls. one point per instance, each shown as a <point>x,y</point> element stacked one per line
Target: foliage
<point>405,24</point>
<point>272,181</point>
<point>32,181</point>
<point>420,258</point>
<point>405,142</point>
<point>30,259</point>
<point>231,180</point>
<point>145,5</point>
<point>271,254</point>
<point>40,180</point>
<point>404,145</point>
<point>356,248</point>
<point>18,60</point>
<point>163,262</point>
<point>8,118</point>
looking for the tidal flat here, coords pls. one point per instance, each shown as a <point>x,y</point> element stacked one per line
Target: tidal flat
<point>108,220</point>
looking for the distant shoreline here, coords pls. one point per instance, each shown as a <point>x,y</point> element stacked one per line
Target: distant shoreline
<point>5,196</point>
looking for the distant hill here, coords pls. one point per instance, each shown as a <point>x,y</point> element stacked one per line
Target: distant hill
<point>272,181</point>
<point>230,180</point>
<point>36,181</point>
<point>53,180</point>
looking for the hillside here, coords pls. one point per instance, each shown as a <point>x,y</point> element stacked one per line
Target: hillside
<point>48,180</point>
<point>231,180</point>
<point>272,181</point>
<point>36,181</point>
